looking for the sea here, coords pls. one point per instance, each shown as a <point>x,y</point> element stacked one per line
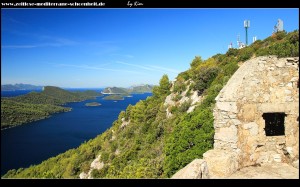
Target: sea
<point>34,142</point>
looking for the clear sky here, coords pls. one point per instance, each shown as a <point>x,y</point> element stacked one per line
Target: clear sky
<point>92,48</point>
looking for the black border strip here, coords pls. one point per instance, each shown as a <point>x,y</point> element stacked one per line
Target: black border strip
<point>148,4</point>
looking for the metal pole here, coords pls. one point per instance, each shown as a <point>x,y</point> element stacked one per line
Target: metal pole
<point>246,36</point>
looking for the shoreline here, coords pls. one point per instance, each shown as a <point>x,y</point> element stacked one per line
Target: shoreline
<point>35,120</point>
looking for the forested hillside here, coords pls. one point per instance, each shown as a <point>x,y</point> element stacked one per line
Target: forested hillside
<point>160,135</point>
<point>35,106</point>
<point>17,113</point>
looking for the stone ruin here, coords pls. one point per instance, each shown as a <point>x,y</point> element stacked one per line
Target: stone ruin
<point>256,118</point>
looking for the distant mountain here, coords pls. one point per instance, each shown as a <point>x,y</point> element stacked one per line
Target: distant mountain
<point>141,89</point>
<point>133,89</point>
<point>115,90</point>
<point>11,87</point>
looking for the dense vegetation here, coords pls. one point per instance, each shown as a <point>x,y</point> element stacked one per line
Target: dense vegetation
<point>143,142</point>
<point>35,106</point>
<point>15,113</point>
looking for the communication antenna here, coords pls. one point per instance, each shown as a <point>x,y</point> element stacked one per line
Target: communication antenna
<point>279,26</point>
<point>238,41</point>
<point>246,25</point>
<point>230,45</point>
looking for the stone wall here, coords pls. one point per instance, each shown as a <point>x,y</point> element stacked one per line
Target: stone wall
<point>261,85</point>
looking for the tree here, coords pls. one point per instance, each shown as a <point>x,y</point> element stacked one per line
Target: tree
<point>164,84</point>
<point>197,60</point>
<point>164,87</point>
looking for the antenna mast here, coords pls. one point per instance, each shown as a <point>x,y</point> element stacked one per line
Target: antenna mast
<point>246,25</point>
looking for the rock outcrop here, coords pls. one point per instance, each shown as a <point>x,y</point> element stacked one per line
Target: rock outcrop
<point>192,97</point>
<point>267,171</point>
<point>96,164</point>
<point>194,170</point>
<point>124,123</point>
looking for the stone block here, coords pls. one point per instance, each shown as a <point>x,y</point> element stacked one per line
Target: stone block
<point>252,127</point>
<point>227,106</point>
<point>236,122</point>
<point>220,163</point>
<point>249,112</point>
<point>227,134</point>
<point>197,169</point>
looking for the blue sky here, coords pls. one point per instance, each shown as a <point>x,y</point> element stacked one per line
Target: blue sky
<point>92,48</point>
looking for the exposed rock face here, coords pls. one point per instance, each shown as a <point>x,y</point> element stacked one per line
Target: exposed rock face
<point>124,123</point>
<point>96,164</point>
<point>83,175</point>
<point>242,138</point>
<point>193,98</point>
<point>194,170</point>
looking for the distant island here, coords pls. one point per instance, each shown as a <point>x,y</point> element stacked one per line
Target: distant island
<point>114,90</point>
<point>14,87</point>
<point>141,89</point>
<point>114,97</point>
<point>92,104</point>
<point>35,106</point>
<point>133,89</point>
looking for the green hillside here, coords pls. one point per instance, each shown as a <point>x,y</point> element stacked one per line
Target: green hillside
<point>35,106</point>
<point>17,113</point>
<point>143,142</point>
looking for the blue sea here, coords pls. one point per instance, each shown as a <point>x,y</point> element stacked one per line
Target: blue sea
<point>37,141</point>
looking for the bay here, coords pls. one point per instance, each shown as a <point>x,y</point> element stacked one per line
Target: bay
<point>17,93</point>
<point>34,142</point>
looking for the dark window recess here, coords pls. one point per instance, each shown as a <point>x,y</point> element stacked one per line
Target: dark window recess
<point>274,123</point>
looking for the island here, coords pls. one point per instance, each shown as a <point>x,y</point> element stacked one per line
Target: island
<point>92,104</point>
<point>145,88</point>
<point>39,105</point>
<point>114,97</point>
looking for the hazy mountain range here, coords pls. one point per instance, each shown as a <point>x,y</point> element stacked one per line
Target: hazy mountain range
<point>12,87</point>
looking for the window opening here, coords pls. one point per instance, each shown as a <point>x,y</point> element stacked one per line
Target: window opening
<point>274,123</point>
